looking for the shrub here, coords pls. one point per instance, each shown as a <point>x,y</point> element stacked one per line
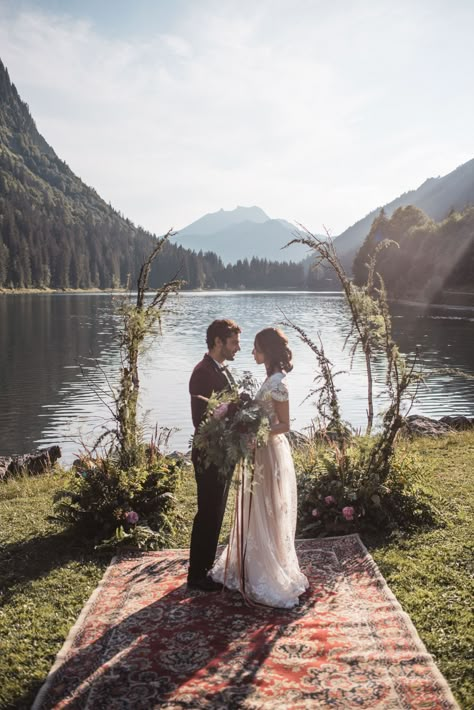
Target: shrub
<point>341,492</point>
<point>134,505</point>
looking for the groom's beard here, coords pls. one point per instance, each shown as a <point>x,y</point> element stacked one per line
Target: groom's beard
<point>229,355</point>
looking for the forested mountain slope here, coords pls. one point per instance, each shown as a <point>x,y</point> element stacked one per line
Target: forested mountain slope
<point>55,231</point>
<point>431,258</point>
<point>437,197</point>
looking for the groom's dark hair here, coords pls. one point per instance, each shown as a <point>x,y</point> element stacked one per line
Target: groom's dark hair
<point>222,329</point>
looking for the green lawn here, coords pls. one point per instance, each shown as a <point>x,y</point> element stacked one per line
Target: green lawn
<point>432,572</point>
<point>46,576</point>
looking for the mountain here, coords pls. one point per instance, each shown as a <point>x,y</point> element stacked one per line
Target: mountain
<point>243,233</point>
<point>216,221</point>
<point>437,197</point>
<point>434,261</point>
<point>56,232</point>
<point>28,163</point>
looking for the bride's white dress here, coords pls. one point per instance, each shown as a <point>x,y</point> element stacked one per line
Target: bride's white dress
<point>260,559</point>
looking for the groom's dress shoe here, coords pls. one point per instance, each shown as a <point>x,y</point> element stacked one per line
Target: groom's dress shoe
<point>205,584</point>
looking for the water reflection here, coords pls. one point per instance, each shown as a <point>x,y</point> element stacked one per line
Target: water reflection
<point>43,340</point>
<point>45,397</point>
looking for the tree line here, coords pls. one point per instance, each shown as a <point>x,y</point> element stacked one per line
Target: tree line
<point>40,249</point>
<point>427,257</point>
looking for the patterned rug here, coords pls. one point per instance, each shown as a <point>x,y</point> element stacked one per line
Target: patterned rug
<point>144,641</point>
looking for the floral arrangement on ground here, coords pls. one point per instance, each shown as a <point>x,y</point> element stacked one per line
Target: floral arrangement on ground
<point>134,507</point>
<point>339,492</point>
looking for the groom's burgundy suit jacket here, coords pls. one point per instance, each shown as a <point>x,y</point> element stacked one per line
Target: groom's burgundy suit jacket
<point>206,378</point>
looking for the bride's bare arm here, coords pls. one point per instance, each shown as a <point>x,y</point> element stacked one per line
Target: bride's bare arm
<point>282,411</point>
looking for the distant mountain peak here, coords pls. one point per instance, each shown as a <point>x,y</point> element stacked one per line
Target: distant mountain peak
<point>214,222</point>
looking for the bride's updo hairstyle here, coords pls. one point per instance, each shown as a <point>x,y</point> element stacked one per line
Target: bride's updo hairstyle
<point>273,343</point>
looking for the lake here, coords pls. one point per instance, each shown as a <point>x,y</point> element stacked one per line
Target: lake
<point>59,358</point>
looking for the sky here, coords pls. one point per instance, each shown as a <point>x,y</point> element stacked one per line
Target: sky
<point>316,111</point>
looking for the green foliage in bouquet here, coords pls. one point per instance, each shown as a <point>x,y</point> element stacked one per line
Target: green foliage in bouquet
<point>135,506</point>
<point>340,493</point>
<point>235,424</point>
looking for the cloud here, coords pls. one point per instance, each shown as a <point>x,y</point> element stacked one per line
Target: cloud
<point>315,115</point>
<point>178,45</point>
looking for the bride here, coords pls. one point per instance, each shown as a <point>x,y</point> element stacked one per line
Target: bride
<point>260,560</point>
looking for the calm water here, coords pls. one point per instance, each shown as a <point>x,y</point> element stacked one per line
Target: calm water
<point>58,359</point>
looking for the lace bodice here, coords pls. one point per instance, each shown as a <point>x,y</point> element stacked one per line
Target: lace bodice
<point>274,387</point>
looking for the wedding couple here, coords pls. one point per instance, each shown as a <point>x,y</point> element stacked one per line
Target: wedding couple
<point>260,559</point>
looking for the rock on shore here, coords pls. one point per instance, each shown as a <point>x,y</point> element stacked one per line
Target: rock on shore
<point>417,425</point>
<point>36,463</point>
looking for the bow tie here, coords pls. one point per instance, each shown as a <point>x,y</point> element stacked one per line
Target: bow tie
<point>227,374</point>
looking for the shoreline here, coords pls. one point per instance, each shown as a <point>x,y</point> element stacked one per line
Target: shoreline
<point>424,304</point>
<point>23,291</point>
<point>425,426</point>
<point>110,291</point>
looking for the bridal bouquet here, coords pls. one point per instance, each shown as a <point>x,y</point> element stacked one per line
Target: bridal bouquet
<point>235,424</point>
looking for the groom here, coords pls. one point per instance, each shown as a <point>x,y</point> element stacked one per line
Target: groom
<point>209,375</point>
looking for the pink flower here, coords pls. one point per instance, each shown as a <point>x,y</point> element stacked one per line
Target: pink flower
<point>330,500</point>
<point>315,513</point>
<point>220,411</point>
<point>348,512</point>
<point>131,517</point>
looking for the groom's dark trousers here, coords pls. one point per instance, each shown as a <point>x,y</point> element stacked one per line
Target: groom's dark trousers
<point>212,485</point>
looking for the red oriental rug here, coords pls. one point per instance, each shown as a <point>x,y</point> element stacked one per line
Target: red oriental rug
<point>145,641</point>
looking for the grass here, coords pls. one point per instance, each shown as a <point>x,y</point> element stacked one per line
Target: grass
<point>47,575</point>
<point>431,572</point>
<point>45,579</point>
